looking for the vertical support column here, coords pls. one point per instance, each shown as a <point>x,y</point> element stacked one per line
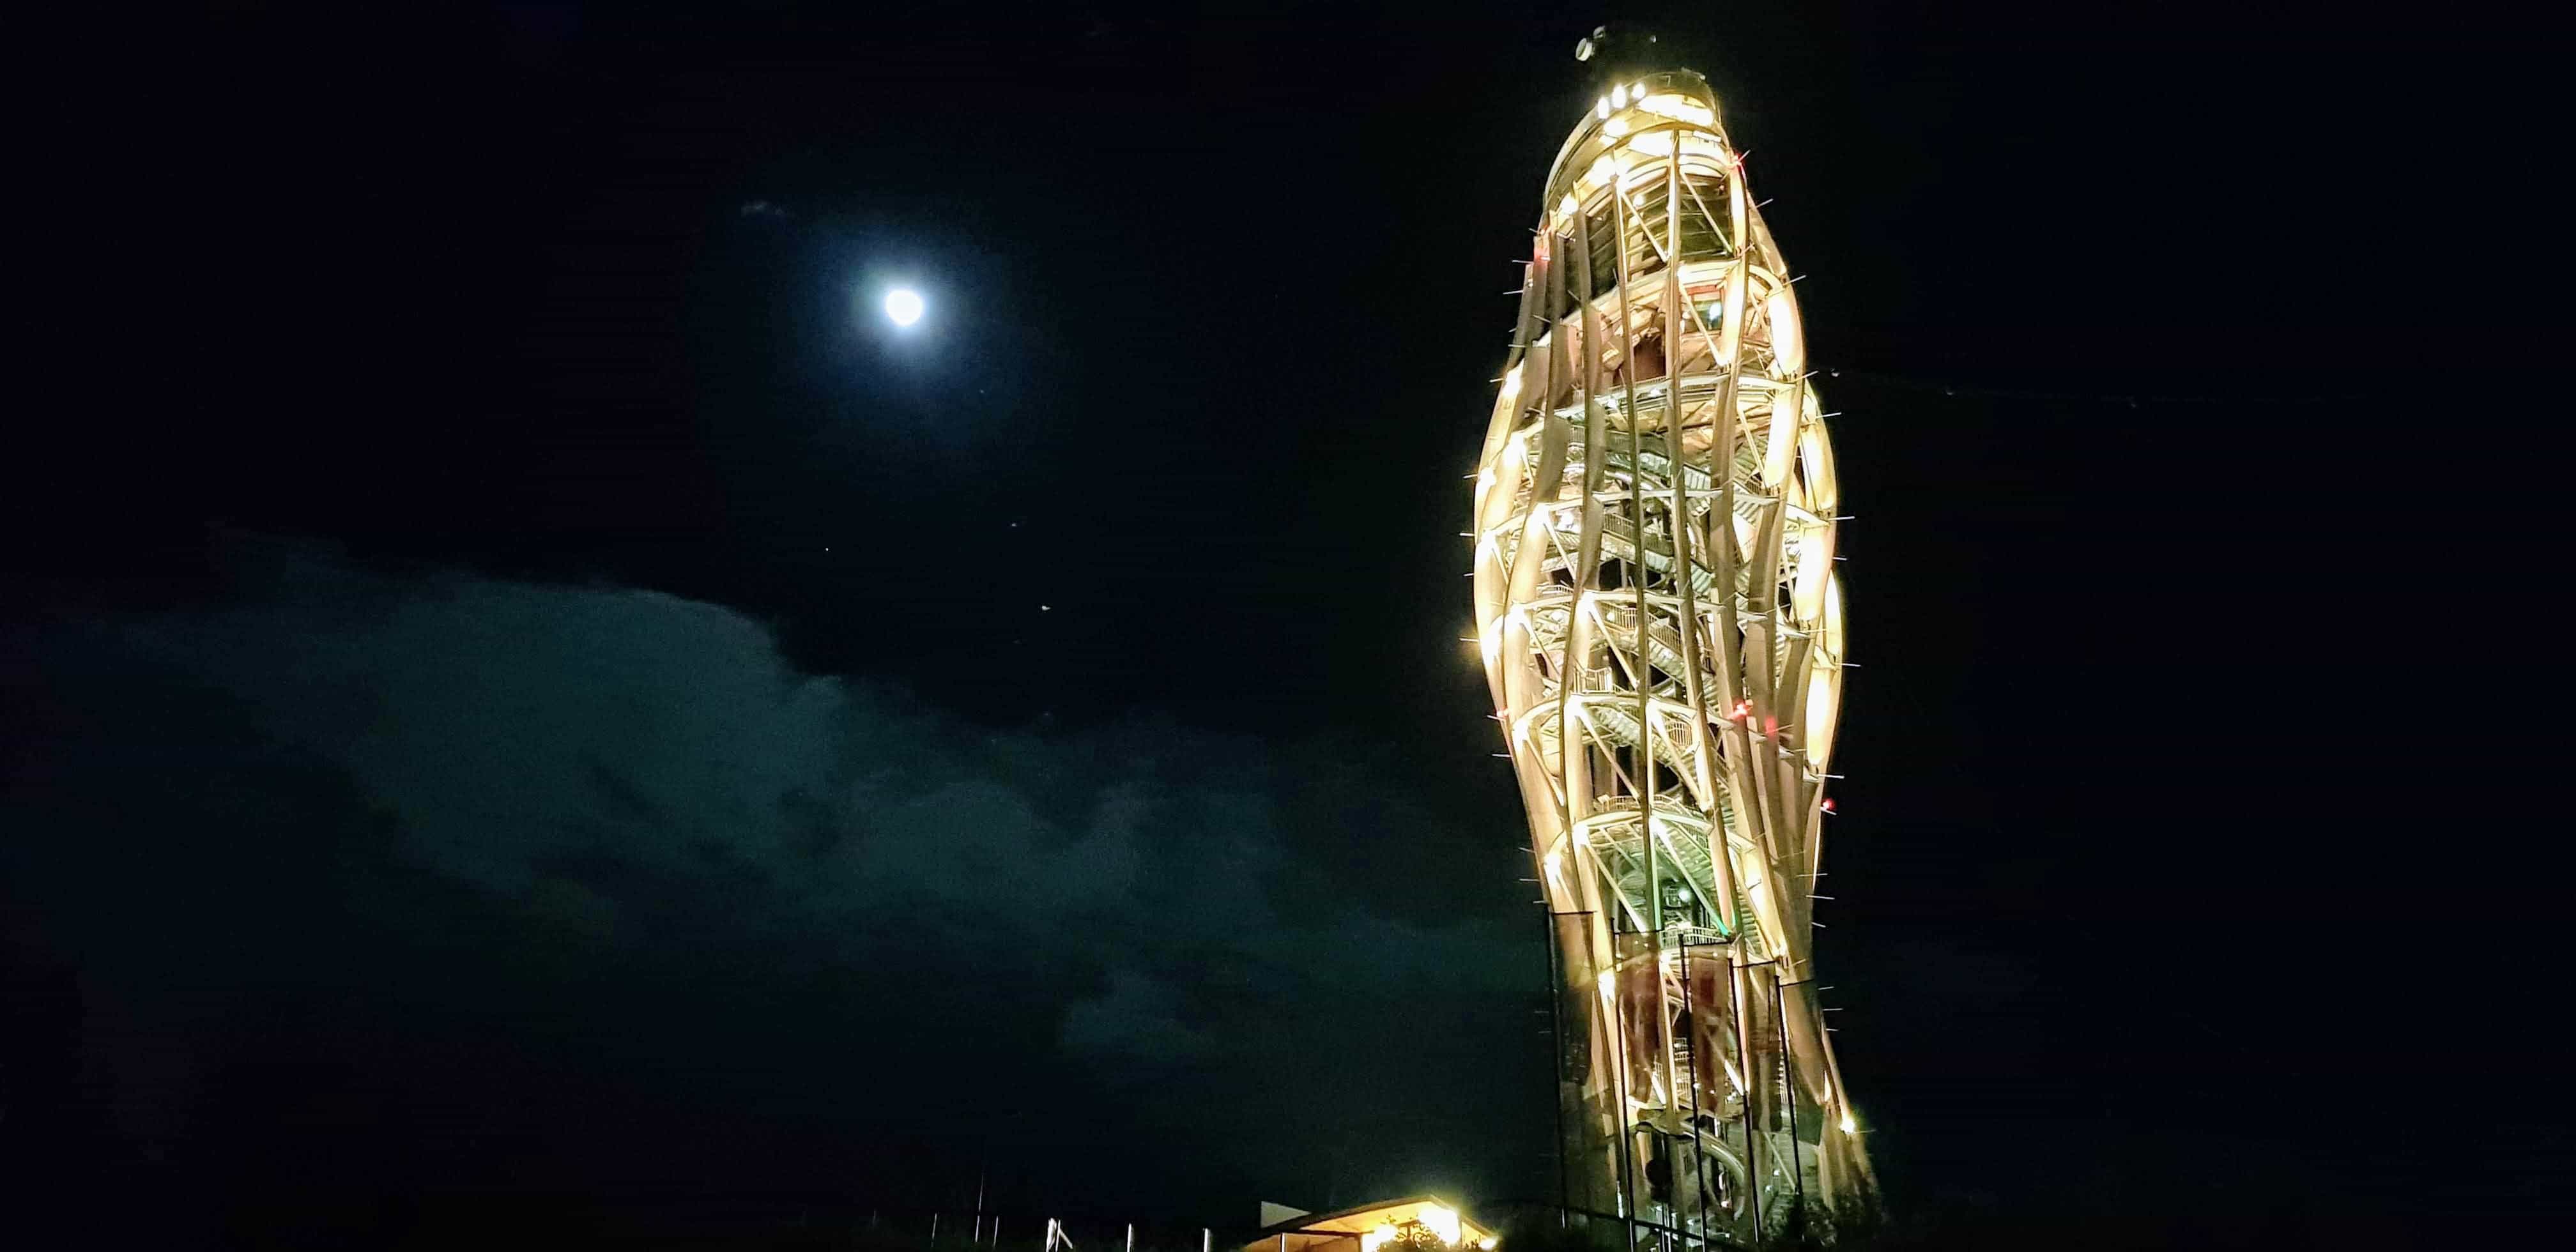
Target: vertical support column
<point>1606,953</point>
<point>1736,973</point>
<point>1788,1085</point>
<point>1556,1056</point>
<point>1641,664</point>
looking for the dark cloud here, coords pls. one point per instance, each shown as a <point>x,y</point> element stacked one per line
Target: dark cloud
<point>1136,1017</point>
<point>609,838</point>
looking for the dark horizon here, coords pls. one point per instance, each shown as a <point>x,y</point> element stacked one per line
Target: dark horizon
<point>534,706</point>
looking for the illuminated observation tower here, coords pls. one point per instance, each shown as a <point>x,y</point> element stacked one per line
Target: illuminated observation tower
<point>1662,630</point>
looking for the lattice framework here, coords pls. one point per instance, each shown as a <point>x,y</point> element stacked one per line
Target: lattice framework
<point>1661,626</point>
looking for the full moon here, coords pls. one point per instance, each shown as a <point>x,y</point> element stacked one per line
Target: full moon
<point>903,304</point>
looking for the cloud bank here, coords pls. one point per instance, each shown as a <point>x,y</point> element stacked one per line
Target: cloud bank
<point>610,847</point>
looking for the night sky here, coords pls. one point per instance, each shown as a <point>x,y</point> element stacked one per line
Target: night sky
<point>531,707</point>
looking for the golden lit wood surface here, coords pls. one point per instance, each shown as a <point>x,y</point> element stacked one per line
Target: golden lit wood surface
<point>1661,626</point>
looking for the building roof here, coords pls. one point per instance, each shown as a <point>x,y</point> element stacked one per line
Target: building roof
<point>1367,1217</point>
